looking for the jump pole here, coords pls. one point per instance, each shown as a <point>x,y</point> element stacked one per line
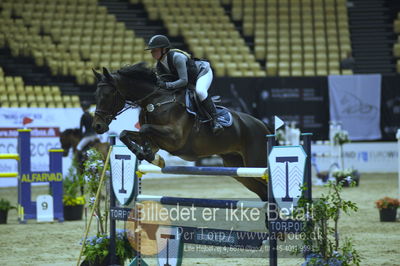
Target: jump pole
<point>122,213</point>
<point>11,156</point>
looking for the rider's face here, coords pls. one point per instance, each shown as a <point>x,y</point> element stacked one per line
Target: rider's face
<point>156,53</point>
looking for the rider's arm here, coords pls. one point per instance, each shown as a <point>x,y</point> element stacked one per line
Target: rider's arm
<point>180,65</point>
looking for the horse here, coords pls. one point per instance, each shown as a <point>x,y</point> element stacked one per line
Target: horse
<point>165,124</point>
<point>70,138</point>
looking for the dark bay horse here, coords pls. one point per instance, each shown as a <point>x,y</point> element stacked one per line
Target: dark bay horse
<point>165,124</point>
<point>70,138</point>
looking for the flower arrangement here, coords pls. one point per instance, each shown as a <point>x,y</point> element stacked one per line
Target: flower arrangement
<point>387,203</point>
<point>347,176</point>
<point>341,137</point>
<point>72,201</point>
<point>280,135</point>
<point>96,247</point>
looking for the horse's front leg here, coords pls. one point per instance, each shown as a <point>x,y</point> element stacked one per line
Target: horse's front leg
<point>171,137</point>
<point>142,148</point>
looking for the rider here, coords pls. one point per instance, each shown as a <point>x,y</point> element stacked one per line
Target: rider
<point>186,70</point>
<point>86,128</point>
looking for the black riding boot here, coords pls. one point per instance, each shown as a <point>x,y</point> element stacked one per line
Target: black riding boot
<point>208,104</point>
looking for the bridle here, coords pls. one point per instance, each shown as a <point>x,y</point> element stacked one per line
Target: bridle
<point>108,117</point>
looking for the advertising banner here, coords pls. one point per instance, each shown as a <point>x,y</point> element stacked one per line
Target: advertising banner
<point>366,157</point>
<point>355,102</point>
<point>46,125</point>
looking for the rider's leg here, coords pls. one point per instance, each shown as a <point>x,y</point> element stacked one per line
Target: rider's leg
<point>202,86</point>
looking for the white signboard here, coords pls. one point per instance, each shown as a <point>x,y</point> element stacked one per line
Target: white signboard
<point>123,163</point>
<point>169,245</point>
<point>366,157</point>
<point>44,208</point>
<point>287,165</point>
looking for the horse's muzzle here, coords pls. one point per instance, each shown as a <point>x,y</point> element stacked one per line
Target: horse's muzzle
<point>100,128</point>
<point>99,125</point>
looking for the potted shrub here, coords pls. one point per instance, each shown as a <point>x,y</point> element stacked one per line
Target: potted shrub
<point>346,177</point>
<point>387,209</point>
<point>73,203</point>
<point>5,206</point>
<point>321,245</point>
<point>96,250</point>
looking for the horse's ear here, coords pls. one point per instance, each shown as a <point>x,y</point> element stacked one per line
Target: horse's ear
<point>97,74</point>
<point>107,74</point>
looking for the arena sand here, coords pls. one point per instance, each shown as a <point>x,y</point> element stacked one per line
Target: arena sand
<point>58,243</point>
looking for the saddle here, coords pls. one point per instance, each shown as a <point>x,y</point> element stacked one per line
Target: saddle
<point>194,107</point>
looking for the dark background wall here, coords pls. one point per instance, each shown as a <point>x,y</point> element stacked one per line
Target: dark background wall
<point>304,100</point>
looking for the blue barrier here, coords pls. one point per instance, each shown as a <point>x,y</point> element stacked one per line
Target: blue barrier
<point>26,207</point>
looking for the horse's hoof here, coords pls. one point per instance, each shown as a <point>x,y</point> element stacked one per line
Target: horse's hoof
<point>158,161</point>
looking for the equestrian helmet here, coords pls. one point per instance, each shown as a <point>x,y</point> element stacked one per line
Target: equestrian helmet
<point>158,41</point>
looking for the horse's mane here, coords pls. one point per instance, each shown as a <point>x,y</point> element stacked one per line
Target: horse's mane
<point>139,71</point>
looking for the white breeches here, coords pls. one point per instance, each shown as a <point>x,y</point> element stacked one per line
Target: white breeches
<point>203,84</point>
<point>84,141</point>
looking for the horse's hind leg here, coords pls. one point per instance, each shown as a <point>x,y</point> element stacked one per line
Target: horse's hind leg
<point>253,184</point>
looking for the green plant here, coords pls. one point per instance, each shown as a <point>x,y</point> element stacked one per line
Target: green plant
<point>72,183</point>
<point>96,247</point>
<point>93,168</point>
<point>341,137</point>
<point>387,203</point>
<point>346,175</point>
<point>5,205</point>
<point>321,235</point>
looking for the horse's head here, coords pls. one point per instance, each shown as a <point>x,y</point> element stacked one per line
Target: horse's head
<point>132,83</point>
<point>108,101</point>
<point>69,138</point>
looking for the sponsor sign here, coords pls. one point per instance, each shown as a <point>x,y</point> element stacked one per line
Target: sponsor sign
<point>287,165</point>
<point>123,165</point>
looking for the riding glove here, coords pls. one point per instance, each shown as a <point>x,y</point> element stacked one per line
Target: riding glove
<point>162,84</point>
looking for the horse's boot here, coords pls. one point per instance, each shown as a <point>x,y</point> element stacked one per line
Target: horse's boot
<point>208,104</point>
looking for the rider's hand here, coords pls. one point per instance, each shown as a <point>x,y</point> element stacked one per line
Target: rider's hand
<point>162,84</point>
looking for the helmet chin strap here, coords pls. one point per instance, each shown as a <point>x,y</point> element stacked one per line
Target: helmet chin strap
<point>164,52</point>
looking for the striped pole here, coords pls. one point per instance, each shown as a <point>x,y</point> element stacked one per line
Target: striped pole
<point>214,171</point>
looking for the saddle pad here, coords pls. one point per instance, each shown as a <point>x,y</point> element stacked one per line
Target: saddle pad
<point>224,116</point>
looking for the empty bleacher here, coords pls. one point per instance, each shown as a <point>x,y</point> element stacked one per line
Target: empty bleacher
<point>14,93</point>
<point>296,38</point>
